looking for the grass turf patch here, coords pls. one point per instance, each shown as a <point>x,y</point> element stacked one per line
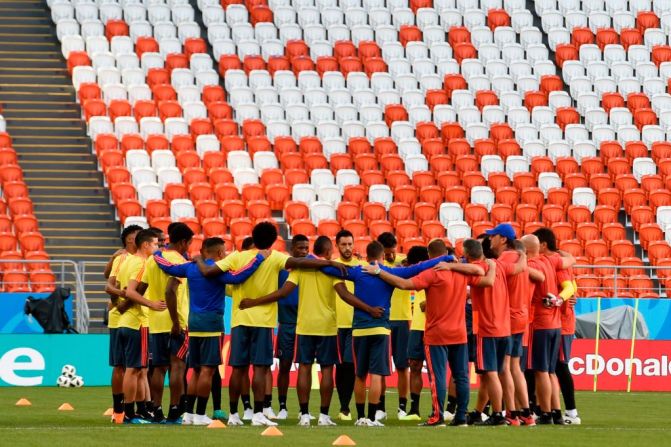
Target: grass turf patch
<point>608,419</point>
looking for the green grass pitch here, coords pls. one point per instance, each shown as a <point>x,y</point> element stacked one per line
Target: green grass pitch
<point>609,419</point>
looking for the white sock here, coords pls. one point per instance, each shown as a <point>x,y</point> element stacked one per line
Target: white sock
<point>572,413</point>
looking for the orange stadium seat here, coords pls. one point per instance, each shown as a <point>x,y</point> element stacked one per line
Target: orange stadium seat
<point>296,211</point>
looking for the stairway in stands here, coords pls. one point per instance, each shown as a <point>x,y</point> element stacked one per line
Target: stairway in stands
<point>71,203</point>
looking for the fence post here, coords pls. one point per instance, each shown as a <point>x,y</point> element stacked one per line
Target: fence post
<point>596,341</point>
<point>633,342</point>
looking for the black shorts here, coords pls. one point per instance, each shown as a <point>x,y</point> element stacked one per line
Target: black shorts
<point>205,351</point>
<point>285,343</point>
<point>543,350</point>
<point>116,350</point>
<point>164,345</point>
<point>490,353</point>
<point>135,346</point>
<point>472,344</point>
<point>416,345</point>
<point>400,333</point>
<point>516,344</point>
<point>251,346</point>
<point>565,348</point>
<point>345,345</point>
<point>371,355</point>
<point>311,348</point>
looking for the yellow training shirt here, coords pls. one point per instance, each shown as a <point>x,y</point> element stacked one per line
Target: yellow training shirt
<point>157,282</point>
<point>418,317</point>
<point>316,302</point>
<point>345,312</point>
<point>261,283</point>
<point>135,317</point>
<point>113,315</point>
<point>401,308</point>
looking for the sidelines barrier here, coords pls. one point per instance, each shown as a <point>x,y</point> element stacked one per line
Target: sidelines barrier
<point>36,360</point>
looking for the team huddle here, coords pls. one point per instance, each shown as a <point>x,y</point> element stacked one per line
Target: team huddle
<point>506,306</point>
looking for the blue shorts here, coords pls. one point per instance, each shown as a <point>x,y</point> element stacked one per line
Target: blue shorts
<point>416,345</point>
<point>285,342</point>
<point>323,349</point>
<point>565,348</point>
<point>400,333</point>
<point>371,355</point>
<point>205,351</point>
<point>251,346</point>
<point>490,353</point>
<point>516,345</point>
<point>135,346</point>
<point>345,345</point>
<point>116,350</point>
<point>163,346</point>
<point>543,350</point>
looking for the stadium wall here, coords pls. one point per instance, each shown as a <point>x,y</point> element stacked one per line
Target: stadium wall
<point>36,360</point>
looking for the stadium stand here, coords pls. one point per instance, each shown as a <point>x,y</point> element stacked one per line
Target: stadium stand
<point>434,119</point>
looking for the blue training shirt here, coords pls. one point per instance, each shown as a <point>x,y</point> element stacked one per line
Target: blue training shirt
<point>377,293</point>
<point>207,295</point>
<point>287,307</point>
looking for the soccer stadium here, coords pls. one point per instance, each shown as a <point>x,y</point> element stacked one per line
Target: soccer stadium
<point>335,222</point>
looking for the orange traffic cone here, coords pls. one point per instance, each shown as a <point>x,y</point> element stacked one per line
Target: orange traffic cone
<point>23,402</point>
<point>66,407</point>
<point>343,440</point>
<point>272,431</point>
<point>216,424</point>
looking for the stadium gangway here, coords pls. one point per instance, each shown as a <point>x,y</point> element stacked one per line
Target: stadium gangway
<point>66,273</point>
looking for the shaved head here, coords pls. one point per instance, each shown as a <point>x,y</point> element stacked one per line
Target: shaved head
<point>532,245</point>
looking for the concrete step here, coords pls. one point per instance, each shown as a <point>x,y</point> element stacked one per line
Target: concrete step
<point>64,148</point>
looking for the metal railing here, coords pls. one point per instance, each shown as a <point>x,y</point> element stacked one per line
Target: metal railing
<point>623,281</point>
<point>66,274</point>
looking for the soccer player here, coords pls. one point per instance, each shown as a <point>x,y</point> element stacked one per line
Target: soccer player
<point>287,312</point>
<point>248,413</point>
<point>416,340</point>
<point>133,333</point>
<point>565,279</point>
<point>545,332</point>
<point>507,248</point>
<point>316,329</point>
<point>115,292</point>
<point>206,323</point>
<point>399,318</point>
<point>493,334</point>
<point>344,377</point>
<point>168,341</point>
<point>370,334</point>
<point>445,332</point>
<point>252,329</point>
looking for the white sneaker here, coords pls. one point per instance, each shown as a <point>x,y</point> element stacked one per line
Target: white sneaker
<point>248,414</point>
<point>571,420</point>
<point>283,414</point>
<point>376,424</point>
<point>380,415</point>
<point>447,416</point>
<point>325,419</point>
<point>187,419</point>
<point>259,419</point>
<point>363,422</point>
<point>312,418</point>
<point>401,414</point>
<point>234,419</point>
<point>201,419</point>
<point>304,420</point>
<point>269,413</point>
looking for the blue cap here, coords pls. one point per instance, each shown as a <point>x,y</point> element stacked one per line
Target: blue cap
<point>503,230</point>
